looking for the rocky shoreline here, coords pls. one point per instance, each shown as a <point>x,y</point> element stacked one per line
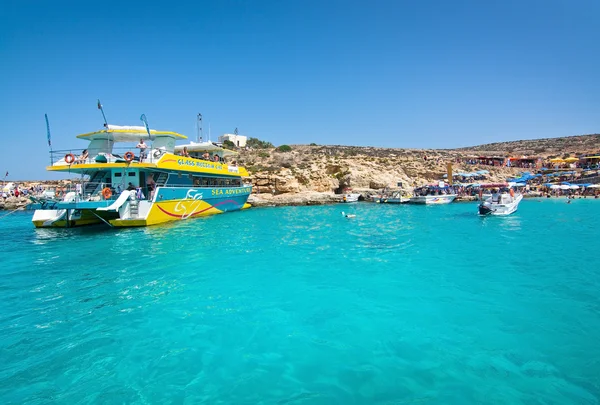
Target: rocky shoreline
<point>14,203</point>
<point>316,198</point>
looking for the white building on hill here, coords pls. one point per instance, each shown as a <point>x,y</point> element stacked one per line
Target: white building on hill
<point>238,140</point>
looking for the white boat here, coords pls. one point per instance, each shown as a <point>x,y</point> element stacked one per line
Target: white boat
<point>501,204</point>
<point>432,195</point>
<point>396,198</point>
<point>350,197</point>
<point>433,199</point>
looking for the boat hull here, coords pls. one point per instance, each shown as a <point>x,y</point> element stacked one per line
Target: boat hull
<point>168,204</point>
<point>396,200</point>
<point>433,199</point>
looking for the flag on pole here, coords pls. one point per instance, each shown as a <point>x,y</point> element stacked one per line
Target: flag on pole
<point>48,131</point>
<point>103,116</point>
<point>145,121</point>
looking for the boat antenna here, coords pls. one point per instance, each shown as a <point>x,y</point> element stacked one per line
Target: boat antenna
<point>49,141</point>
<point>209,132</point>
<point>199,128</point>
<point>103,116</point>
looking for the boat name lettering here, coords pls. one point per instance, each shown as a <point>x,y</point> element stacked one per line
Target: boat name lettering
<point>199,163</point>
<point>231,191</point>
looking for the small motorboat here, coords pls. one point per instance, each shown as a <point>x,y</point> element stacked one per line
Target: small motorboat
<point>433,195</point>
<point>350,197</point>
<point>396,198</point>
<point>500,204</point>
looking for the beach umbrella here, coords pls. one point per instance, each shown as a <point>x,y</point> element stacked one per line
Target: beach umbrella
<point>594,186</point>
<point>571,159</point>
<point>554,186</point>
<point>564,187</point>
<point>573,187</point>
<point>556,160</point>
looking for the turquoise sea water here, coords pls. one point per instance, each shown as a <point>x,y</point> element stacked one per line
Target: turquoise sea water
<point>299,305</point>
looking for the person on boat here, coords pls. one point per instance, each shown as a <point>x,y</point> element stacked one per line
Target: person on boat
<point>150,184</point>
<point>206,156</point>
<point>495,196</point>
<point>83,157</point>
<point>130,187</point>
<point>185,152</point>
<point>142,147</point>
<point>216,158</point>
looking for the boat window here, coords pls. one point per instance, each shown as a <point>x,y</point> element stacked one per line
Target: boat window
<point>118,174</point>
<point>131,174</point>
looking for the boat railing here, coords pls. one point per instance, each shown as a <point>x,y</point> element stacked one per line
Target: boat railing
<point>117,155</point>
<point>103,191</point>
<point>97,191</point>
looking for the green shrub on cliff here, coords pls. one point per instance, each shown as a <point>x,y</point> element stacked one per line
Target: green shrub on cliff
<point>228,144</point>
<point>256,143</point>
<point>284,148</point>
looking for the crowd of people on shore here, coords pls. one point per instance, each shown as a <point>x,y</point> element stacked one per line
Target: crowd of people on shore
<point>16,190</point>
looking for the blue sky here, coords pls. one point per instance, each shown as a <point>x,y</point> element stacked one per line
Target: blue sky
<point>415,74</point>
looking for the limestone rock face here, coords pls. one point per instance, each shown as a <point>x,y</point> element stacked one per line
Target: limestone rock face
<point>14,203</point>
<point>332,169</point>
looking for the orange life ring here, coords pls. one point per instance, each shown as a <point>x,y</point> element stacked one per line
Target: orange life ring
<point>69,158</point>
<point>512,192</point>
<point>129,156</point>
<point>106,193</point>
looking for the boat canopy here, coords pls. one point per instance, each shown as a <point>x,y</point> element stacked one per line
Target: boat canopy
<point>119,133</point>
<point>198,147</point>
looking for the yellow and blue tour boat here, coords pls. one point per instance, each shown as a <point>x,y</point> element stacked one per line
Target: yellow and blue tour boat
<point>151,183</point>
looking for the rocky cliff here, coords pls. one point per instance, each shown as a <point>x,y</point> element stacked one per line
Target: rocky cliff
<point>319,171</point>
<point>331,169</point>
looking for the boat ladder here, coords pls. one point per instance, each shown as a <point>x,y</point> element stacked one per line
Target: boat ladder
<point>133,208</point>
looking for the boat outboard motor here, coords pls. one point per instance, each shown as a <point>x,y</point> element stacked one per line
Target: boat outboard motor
<point>485,208</point>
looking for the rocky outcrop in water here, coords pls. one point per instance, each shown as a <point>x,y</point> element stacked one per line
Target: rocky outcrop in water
<point>14,203</point>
